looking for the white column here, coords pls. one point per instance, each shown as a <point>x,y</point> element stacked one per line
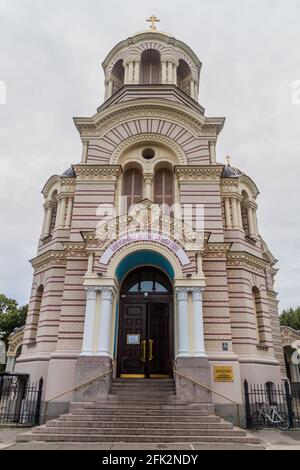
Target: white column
<point>48,220</point>
<point>255,222</point>
<point>62,212</point>
<point>57,214</point>
<point>126,77</point>
<point>130,72</point>
<point>212,152</point>
<point>164,72</point>
<point>192,89</point>
<point>137,72</point>
<point>69,212</point>
<point>198,328</point>
<point>148,186</point>
<point>196,91</point>
<point>235,221</point>
<point>170,72</point>
<point>239,211</point>
<point>110,89</point>
<point>250,221</point>
<point>103,347</point>
<point>227,213</point>
<point>85,148</point>
<point>175,74</point>
<point>183,325</point>
<point>89,322</point>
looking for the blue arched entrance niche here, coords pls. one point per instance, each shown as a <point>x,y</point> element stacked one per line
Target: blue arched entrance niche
<point>144,258</point>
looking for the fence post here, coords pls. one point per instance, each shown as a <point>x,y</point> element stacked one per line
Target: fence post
<point>289,402</point>
<point>38,402</point>
<point>247,403</point>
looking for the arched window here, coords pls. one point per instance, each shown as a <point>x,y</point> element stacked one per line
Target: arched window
<point>245,200</point>
<point>117,76</point>
<point>164,189</point>
<point>150,67</point>
<point>148,279</point>
<point>132,187</point>
<point>184,76</point>
<point>257,308</point>
<point>36,313</point>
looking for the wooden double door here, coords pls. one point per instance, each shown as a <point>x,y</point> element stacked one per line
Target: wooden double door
<point>145,347</point>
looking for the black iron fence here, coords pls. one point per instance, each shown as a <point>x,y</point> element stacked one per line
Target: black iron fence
<point>286,398</point>
<point>20,400</point>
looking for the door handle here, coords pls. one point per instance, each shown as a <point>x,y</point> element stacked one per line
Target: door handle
<point>143,352</point>
<point>150,350</point>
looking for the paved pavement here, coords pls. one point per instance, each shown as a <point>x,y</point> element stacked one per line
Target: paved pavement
<point>272,440</point>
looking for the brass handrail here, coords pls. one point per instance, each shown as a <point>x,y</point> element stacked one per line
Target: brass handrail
<point>210,390</point>
<point>88,382</point>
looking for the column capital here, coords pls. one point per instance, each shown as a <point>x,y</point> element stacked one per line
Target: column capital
<point>107,293</point>
<point>197,293</point>
<point>181,293</point>
<point>91,292</point>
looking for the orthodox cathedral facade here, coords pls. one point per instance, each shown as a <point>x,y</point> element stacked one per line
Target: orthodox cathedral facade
<point>150,256</point>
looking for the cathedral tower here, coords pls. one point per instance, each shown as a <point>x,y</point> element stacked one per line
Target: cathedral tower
<point>150,252</point>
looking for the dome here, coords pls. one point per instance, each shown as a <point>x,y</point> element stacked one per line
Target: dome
<point>231,172</point>
<point>70,173</point>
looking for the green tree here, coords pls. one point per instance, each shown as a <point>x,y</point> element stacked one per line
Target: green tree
<point>11,316</point>
<point>291,317</point>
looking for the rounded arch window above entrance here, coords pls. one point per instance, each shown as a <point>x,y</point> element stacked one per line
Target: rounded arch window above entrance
<point>146,280</point>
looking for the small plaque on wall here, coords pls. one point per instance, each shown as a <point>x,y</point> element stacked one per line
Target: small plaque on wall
<point>223,374</point>
<point>133,339</point>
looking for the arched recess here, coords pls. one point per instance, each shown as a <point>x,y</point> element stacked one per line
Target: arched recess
<point>164,189</point>
<point>132,188</point>
<point>184,76</point>
<point>133,256</point>
<point>117,76</point>
<point>144,258</point>
<point>150,67</point>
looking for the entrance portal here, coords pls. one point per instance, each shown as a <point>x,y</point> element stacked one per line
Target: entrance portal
<point>145,348</point>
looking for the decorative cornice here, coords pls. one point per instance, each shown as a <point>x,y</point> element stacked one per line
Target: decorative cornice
<point>50,258</point>
<point>97,172</point>
<point>239,258</point>
<point>216,250</point>
<point>198,173</point>
<point>102,122</point>
<point>75,249</point>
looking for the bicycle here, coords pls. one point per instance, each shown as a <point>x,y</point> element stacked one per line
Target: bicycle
<point>270,414</point>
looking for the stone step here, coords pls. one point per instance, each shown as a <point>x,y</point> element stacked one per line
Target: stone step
<point>139,424</point>
<point>141,406</point>
<point>141,439</point>
<point>145,394</point>
<point>143,382</point>
<point>140,418</point>
<point>137,432</point>
<point>142,411</point>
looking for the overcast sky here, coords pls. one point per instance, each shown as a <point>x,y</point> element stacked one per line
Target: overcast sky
<point>50,61</point>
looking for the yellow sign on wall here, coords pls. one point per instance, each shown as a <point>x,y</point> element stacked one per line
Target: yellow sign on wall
<point>223,374</point>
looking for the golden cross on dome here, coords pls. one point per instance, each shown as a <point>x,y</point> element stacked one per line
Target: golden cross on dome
<point>153,19</point>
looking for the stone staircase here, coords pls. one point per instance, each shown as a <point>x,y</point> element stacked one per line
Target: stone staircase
<point>140,411</point>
